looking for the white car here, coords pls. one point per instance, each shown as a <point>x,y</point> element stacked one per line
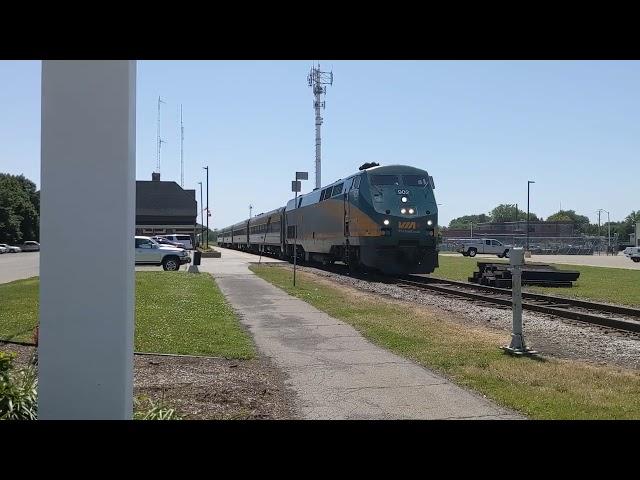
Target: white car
<point>9,248</point>
<point>180,238</point>
<point>30,246</point>
<point>633,253</point>
<point>471,247</point>
<point>150,252</point>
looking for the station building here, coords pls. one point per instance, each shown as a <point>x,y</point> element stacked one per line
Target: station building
<point>164,208</point>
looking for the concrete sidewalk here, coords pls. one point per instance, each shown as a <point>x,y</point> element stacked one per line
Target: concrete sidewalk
<point>336,373</point>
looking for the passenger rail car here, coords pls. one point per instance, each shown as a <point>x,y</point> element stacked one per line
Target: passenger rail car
<point>383,218</point>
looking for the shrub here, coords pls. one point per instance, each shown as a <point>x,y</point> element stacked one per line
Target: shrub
<point>18,390</point>
<point>147,409</point>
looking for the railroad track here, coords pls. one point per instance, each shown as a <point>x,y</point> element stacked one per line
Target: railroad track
<point>612,316</point>
<point>618,317</point>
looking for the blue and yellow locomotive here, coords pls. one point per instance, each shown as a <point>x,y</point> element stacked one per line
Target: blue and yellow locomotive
<point>382,218</point>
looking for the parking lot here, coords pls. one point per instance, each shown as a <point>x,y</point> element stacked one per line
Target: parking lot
<point>15,266</point>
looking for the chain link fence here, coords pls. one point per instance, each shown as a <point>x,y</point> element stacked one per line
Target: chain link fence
<point>582,245</point>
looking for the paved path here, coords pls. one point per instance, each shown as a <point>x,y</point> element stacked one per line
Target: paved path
<point>336,373</point>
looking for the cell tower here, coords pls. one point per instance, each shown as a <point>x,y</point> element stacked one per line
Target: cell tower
<point>181,149</point>
<point>159,139</point>
<point>317,79</point>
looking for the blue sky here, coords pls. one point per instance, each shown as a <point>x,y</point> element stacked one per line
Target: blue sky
<point>481,128</point>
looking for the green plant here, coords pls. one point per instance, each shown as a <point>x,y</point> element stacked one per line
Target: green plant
<point>146,409</point>
<point>18,390</point>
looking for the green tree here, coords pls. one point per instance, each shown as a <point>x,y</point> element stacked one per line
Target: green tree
<point>464,221</point>
<point>19,209</point>
<point>581,222</point>
<point>507,213</point>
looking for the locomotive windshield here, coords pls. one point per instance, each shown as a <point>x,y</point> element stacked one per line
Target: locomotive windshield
<point>384,180</point>
<point>414,181</point>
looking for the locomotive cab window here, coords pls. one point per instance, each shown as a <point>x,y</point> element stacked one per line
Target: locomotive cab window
<point>384,180</point>
<point>337,190</point>
<point>414,181</point>
<point>356,182</point>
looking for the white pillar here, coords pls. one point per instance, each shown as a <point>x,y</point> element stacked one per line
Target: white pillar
<point>87,226</point>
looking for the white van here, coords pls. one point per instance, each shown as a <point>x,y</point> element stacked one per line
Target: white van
<point>180,238</point>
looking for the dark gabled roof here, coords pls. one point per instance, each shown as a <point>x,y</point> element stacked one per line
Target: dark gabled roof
<point>164,199</point>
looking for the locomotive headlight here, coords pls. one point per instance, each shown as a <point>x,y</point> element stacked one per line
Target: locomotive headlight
<point>385,221</point>
<point>404,199</point>
<point>403,211</point>
<point>411,211</point>
<point>429,222</point>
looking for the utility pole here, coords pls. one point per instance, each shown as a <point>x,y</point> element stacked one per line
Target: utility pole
<point>608,227</point>
<point>207,169</point>
<point>250,208</point>
<point>159,138</point>
<point>317,79</point>
<point>181,150</point>
<point>201,216</point>
<point>529,182</point>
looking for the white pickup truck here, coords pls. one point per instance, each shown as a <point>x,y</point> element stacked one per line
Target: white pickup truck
<point>150,252</point>
<point>471,247</point>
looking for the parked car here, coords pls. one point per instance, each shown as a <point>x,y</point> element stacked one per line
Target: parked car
<point>633,253</point>
<point>150,252</point>
<point>30,246</point>
<point>180,238</point>
<point>164,241</point>
<point>469,248</point>
<point>9,248</point>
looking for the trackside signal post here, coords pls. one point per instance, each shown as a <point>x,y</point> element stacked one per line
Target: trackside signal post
<point>517,346</point>
<point>88,148</point>
<point>296,186</point>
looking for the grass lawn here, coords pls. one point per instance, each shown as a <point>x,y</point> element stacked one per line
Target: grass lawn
<point>176,312</point>
<point>550,389</point>
<point>601,284</point>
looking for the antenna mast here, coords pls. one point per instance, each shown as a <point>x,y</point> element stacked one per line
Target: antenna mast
<point>159,139</point>
<point>181,149</point>
<point>317,79</point>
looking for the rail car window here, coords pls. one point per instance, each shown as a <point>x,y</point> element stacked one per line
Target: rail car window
<point>291,231</point>
<point>384,180</point>
<point>326,193</point>
<point>414,181</point>
<point>337,190</point>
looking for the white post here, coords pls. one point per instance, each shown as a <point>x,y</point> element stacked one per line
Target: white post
<point>517,346</point>
<point>87,226</point>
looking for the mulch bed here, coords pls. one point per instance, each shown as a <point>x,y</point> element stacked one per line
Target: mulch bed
<point>206,388</point>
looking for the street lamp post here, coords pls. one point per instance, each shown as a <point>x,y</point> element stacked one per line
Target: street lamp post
<point>529,182</point>
<point>296,186</point>
<point>201,216</point>
<point>207,169</point>
<point>250,208</point>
